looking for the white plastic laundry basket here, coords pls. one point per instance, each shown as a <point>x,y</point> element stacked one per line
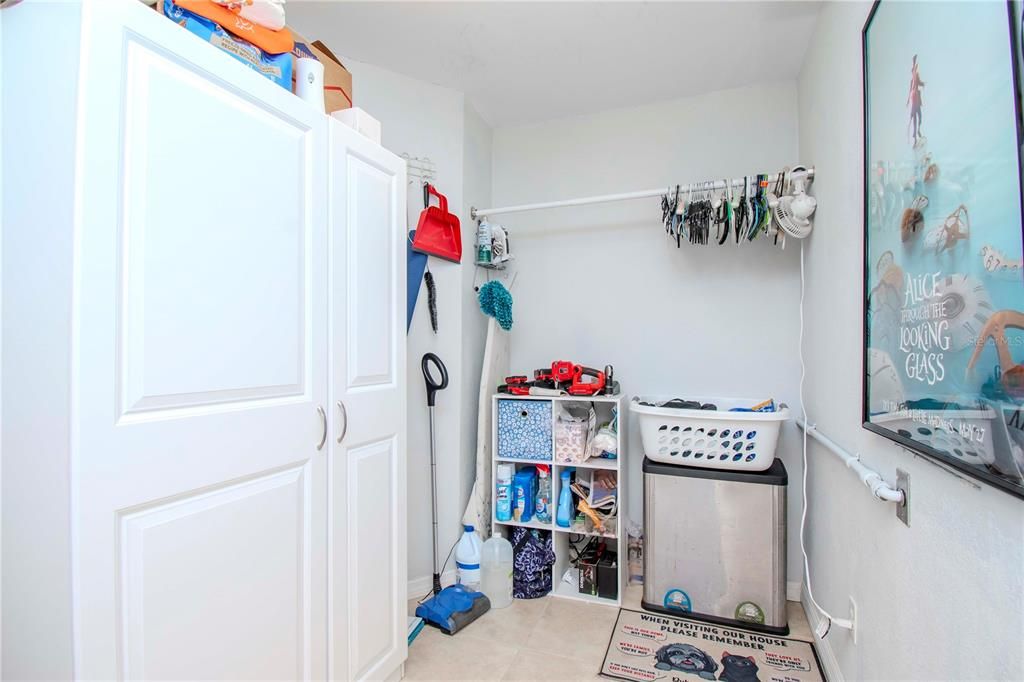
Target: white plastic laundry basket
<point>716,439</point>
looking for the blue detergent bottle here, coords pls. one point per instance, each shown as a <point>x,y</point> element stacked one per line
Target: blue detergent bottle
<point>523,485</point>
<point>564,517</point>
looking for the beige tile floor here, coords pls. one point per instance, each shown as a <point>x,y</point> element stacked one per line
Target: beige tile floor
<point>536,639</point>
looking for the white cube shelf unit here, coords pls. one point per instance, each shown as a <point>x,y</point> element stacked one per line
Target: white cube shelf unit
<point>616,539</point>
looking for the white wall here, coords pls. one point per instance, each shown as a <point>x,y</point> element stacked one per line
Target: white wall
<point>944,598</point>
<point>603,285</point>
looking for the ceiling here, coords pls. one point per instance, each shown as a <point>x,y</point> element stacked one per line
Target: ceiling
<point>528,61</point>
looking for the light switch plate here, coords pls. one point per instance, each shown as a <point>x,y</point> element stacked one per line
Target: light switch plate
<point>903,483</point>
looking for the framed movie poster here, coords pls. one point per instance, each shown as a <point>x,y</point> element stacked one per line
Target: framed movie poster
<point>944,246</point>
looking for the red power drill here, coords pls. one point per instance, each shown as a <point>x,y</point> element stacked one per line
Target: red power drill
<point>580,387</point>
<point>516,385</point>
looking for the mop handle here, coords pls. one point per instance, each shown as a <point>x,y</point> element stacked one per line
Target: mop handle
<point>433,489</point>
<point>433,386</point>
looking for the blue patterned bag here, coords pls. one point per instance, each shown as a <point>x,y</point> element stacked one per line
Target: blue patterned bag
<point>524,429</point>
<point>532,559</point>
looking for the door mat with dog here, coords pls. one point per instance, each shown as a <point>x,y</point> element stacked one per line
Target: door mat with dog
<point>647,646</point>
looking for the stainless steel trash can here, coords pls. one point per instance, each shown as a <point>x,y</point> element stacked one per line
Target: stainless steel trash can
<point>715,545</point>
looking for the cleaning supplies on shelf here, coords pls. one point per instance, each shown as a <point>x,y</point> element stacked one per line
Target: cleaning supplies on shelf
<point>543,501</point>
<point>503,493</point>
<point>564,518</point>
<point>483,243</point>
<point>523,486</point>
<point>467,558</point>
<point>496,569</point>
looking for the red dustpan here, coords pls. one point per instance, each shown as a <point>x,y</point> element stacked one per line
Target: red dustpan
<point>438,232</point>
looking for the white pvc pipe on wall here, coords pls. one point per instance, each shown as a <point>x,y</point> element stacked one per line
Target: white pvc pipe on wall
<point>869,477</point>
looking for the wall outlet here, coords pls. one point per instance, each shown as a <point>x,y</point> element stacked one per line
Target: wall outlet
<point>853,619</point>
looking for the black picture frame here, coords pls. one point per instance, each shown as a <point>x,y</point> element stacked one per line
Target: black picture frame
<point>1015,31</point>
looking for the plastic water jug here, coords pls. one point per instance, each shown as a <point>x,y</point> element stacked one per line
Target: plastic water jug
<point>467,558</point>
<point>496,571</point>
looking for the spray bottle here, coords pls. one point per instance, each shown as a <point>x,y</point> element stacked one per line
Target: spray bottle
<point>564,518</point>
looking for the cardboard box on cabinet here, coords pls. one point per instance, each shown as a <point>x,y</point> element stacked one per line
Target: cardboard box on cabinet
<point>337,79</point>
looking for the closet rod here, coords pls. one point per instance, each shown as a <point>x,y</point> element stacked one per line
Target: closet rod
<point>625,196</point>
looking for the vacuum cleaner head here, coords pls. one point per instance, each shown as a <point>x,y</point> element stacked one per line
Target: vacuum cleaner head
<point>453,608</point>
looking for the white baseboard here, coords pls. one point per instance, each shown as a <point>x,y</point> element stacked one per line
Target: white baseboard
<point>417,587</point>
<point>793,591</point>
<point>826,656</point>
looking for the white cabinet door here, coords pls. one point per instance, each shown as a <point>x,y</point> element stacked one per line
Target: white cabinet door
<point>199,362</point>
<point>367,516</point>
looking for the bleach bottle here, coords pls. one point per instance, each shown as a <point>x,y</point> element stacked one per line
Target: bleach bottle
<point>467,558</point>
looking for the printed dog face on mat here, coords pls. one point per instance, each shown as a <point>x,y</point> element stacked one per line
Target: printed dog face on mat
<point>686,658</point>
<point>738,668</point>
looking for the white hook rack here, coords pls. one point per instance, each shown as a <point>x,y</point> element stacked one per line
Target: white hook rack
<point>419,168</point>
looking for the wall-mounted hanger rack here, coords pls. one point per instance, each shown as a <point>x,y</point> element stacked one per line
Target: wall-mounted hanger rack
<point>478,213</point>
<point>419,168</point>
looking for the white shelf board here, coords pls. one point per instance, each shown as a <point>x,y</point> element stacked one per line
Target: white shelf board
<point>523,460</point>
<point>593,463</point>
<point>570,398</point>
<point>567,591</point>
<point>581,531</point>
<point>527,524</point>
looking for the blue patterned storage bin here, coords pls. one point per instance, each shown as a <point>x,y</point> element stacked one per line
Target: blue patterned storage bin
<point>524,429</point>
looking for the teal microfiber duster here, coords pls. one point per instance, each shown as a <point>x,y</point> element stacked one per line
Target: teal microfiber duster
<point>497,302</point>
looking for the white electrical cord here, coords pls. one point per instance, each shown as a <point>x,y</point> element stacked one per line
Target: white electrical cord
<point>830,620</point>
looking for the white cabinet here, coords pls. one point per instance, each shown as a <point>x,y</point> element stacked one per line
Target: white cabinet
<point>367,463</point>
<point>236,450</point>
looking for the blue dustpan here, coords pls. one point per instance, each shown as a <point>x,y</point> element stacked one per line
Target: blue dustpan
<point>416,264</point>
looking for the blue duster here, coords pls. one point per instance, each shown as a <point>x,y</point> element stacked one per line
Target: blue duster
<point>497,302</point>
